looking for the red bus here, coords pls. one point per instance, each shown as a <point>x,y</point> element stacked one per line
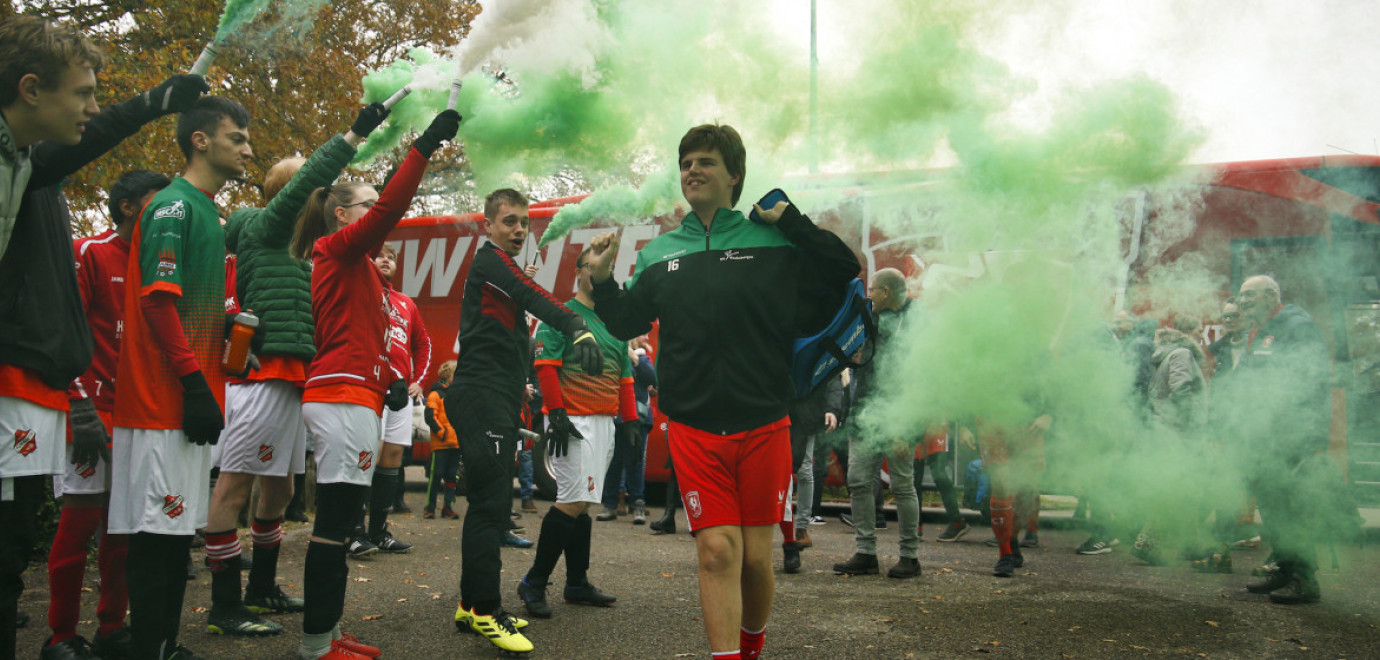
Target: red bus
<point>1312,223</point>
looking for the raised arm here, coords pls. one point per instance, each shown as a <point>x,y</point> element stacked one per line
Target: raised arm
<point>54,162</point>
<point>366,234</point>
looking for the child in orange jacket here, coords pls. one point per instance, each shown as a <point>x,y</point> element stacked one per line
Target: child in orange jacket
<point>445,446</point>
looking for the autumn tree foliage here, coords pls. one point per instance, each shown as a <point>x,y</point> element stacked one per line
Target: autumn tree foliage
<point>296,68</point>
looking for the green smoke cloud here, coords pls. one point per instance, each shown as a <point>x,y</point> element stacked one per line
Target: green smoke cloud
<point>1018,241</point>
<point>237,14</point>
<point>415,111</point>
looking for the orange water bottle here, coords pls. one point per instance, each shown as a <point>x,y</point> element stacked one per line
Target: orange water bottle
<point>236,359</point>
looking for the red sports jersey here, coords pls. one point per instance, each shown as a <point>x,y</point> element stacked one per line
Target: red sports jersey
<point>349,297</point>
<point>102,262</point>
<point>409,351</point>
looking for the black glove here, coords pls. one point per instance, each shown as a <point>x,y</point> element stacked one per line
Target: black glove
<point>202,419</point>
<point>396,398</point>
<point>585,349</point>
<point>176,94</point>
<point>630,433</point>
<point>369,118</point>
<point>442,128</point>
<point>89,438</point>
<point>559,431</point>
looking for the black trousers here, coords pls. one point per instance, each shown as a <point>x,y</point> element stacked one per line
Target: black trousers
<point>486,423</point>
<point>17,516</point>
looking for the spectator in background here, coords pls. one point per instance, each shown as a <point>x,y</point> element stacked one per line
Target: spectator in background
<point>626,480</point>
<point>1136,348</point>
<point>445,447</point>
<point>893,309</point>
<point>1235,518</point>
<point>1284,413</point>
<point>1177,397</point>
<point>936,455</point>
<point>811,417</point>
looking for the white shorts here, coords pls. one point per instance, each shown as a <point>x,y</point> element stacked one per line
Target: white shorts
<point>163,484</point>
<point>580,473</point>
<point>397,425</point>
<point>32,438</point>
<point>347,441</point>
<point>264,434</point>
<point>82,479</point>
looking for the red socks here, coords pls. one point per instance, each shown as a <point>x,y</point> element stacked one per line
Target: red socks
<point>727,655</point>
<point>1003,523</point>
<point>114,602</point>
<point>67,566</point>
<point>221,547</point>
<point>750,643</point>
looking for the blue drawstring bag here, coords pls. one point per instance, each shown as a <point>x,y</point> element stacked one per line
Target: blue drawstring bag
<point>825,354</point>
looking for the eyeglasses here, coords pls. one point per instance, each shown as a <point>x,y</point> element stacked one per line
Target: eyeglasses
<point>368,204</point>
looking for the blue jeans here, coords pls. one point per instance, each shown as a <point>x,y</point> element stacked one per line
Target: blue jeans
<point>625,476</point>
<point>525,473</point>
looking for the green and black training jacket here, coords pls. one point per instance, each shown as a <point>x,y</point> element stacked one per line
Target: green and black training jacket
<point>731,300</point>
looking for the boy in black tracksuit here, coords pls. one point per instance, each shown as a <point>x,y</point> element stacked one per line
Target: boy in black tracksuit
<point>485,398</point>
<point>731,296</point>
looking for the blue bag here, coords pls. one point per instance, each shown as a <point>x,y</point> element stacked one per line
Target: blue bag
<point>823,355</point>
<point>976,487</point>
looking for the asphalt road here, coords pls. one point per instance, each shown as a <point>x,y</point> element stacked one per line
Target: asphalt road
<point>1060,605</point>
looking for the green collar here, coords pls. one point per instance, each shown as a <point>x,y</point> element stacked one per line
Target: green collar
<point>723,219</point>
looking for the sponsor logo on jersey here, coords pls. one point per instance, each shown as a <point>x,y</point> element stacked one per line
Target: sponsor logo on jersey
<point>734,255</point>
<point>172,506</point>
<point>366,459</point>
<point>265,453</point>
<point>167,263</point>
<point>25,442</point>
<point>591,484</point>
<point>174,210</point>
<point>495,436</point>
<point>692,503</point>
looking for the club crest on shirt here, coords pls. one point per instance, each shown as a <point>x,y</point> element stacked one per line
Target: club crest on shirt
<point>265,453</point>
<point>172,505</point>
<point>366,458</point>
<point>167,263</point>
<point>1269,341</point>
<point>25,442</point>
<point>692,503</point>
<point>86,470</point>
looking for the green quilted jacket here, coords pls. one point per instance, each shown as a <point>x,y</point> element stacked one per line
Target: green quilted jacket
<point>269,280</point>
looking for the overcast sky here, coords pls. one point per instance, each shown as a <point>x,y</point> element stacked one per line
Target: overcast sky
<point>1266,78</point>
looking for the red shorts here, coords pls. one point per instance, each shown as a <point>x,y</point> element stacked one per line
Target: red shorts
<point>739,479</point>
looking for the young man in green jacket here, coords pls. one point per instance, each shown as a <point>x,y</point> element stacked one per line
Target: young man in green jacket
<point>731,296</point>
